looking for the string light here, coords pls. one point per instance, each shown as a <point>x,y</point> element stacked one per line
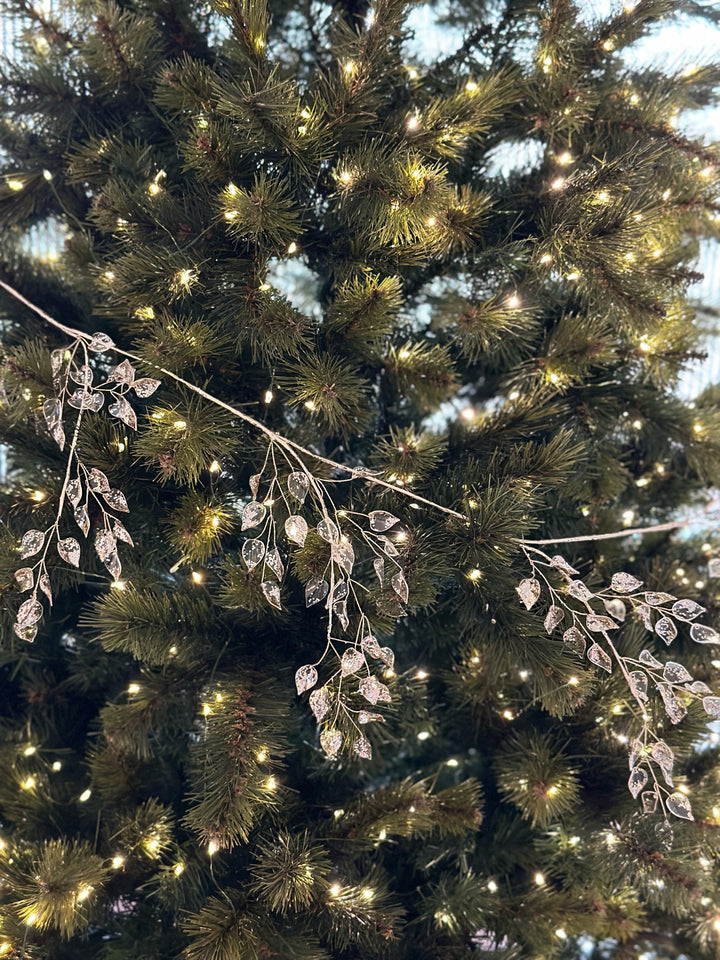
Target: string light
<point>214,467</point>
<point>84,893</point>
<point>558,183</point>
<point>179,869</point>
<point>85,795</point>
<point>133,688</point>
<point>29,751</point>
<point>271,783</point>
<point>492,886</point>
<point>421,675</point>
<point>424,735</point>
<point>513,302</point>
<point>452,762</point>
<point>471,86</point>
<point>261,756</point>
<point>368,893</point>
<point>539,879</point>
<point>206,710</point>
<point>28,783</point>
<point>335,890</point>
<point>118,585</point>
<point>412,122</point>
<point>31,919</point>
<point>268,395</point>
<point>561,934</point>
<point>15,185</point>
<point>545,258</point>
<point>468,413</point>
<point>118,862</point>
<point>212,848</point>
<point>565,158</point>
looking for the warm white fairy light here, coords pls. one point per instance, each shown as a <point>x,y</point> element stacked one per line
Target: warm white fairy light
<point>29,751</point>
<point>565,158</point>
<point>424,735</point>
<point>57,766</point>
<point>561,934</point>
<point>368,893</point>
<point>471,86</point>
<point>539,879</point>
<point>545,258</point>
<point>421,675</point>
<point>513,302</point>
<point>133,688</point>
<point>335,890</point>
<point>118,862</point>
<point>271,783</point>
<point>85,795</point>
<point>212,848</point>
<point>179,869</point>
<point>28,783</point>
<point>267,396</point>
<point>492,886</point>
<point>15,185</point>
<point>558,183</point>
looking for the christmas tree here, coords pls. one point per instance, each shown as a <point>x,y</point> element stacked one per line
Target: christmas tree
<point>357,565</point>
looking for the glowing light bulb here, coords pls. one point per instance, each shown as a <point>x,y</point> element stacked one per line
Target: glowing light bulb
<point>431,222</point>
<point>424,735</point>
<point>230,214</point>
<point>28,783</point>
<point>133,688</point>
<point>492,886</point>
<point>452,762</point>
<point>84,893</point>
<point>267,396</point>
<point>558,183</point>
<point>513,302</point>
<point>539,879</point>
<point>560,934</point>
<point>261,756</point>
<point>15,185</point>
<point>309,405</point>
<point>574,275</point>
<point>421,675</point>
<point>117,862</point>
<point>57,766</point>
<point>31,919</point>
<point>565,158</point>
<point>292,248</point>
<point>545,258</point>
<point>172,650</point>
<point>471,86</point>
<point>508,714</point>
<point>212,848</point>
<point>85,795</point>
<point>118,584</point>
<point>350,67</point>
<point>335,890</point>
<point>179,869</point>
<point>232,189</point>
<point>29,751</point>
<point>271,783</point>
<point>368,893</point>
<point>214,467</point>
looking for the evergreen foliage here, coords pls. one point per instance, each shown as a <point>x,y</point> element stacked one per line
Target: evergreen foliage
<point>465,288</point>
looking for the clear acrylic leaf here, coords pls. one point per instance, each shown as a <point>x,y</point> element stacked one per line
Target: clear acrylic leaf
<point>57,359</point>
<point>52,411</point>
<point>679,805</point>
<point>82,399</point>
<point>113,565</point>
<point>98,482</point>
<point>331,741</point>
<point>674,708</point>
<point>665,834</point>
<point>599,657</point>
<point>74,492</point>
<point>254,483</point>
<point>27,632</point>
<point>274,561</point>
<point>687,609</point>
<point>340,590</point>
<point>578,590</point>
<point>388,546</point>
<point>636,751</point>
<point>104,544</point>
<point>711,706</point>
<point>387,656</point>
<point>575,641</point>
<point>371,688</point>
<point>365,716</point>
<point>32,541</point>
<point>665,759</point>
<point>82,518</point>
<point>145,387</point>
<point>305,678</point>
<point>58,434</point>
<point>253,514</point>
<point>639,684</point>
<point>362,748</point>
<point>554,616</point>
<point>252,553</point>
<point>320,702</point>
<point>328,531</point>
<point>82,374</point>
<point>714,567</point>
<point>658,599</point>
<point>638,779</point>
<point>121,533</point>
<point>296,530</point>
<point>340,611</point>
<point>616,608</point>
<point>298,484</point>
<point>316,590</point>
<point>697,686</point>
<point>380,520</point>
<point>600,624</point>
<point>399,585</point>
<point>25,579</point>
<point>124,412</point>
<point>561,564</point>
<point>100,342</point>
<point>704,634</point>
<point>649,660</point>
<point>371,645</point>
<point>69,550</point>
<point>529,591</point>
<point>272,593</point>
<point>379,568</point>
<point>665,628</point>
<point>676,673</point>
<point>344,556</point>
<point>30,611</point>
<point>649,801</point>
<point>124,372</point>
<point>625,583</point>
<point>44,584</point>
<point>351,661</point>
<point>115,499</point>
<point>645,614</point>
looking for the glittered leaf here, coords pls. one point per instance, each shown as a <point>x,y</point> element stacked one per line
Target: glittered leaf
<point>616,608</point>
<point>599,657</point>
<point>124,372</point>
<point>379,568</point>
<point>27,632</point>
<point>674,708</point>
<point>625,583</point>
<point>29,612</point>
<point>697,686</point>
<point>645,614</point>
<point>554,616</point>
<point>25,579</point>
<point>113,565</point>
<point>711,706</point>
<point>649,660</point>
<point>44,584</point>
<point>115,499</point>
<point>82,518</point>
<point>57,359</point>
<point>121,533</point>
<point>316,590</point>
<point>296,530</point>
<point>399,585</point>
<point>704,634</point>
<point>600,624</point>
<point>638,779</point>
<point>331,741</point>
<point>98,482</point>
<point>388,546</point>
<point>676,673</point>
<point>636,751</point>
<point>123,411</point>
<point>31,543</point>
<point>328,531</point>
<point>369,687</point>
<point>665,834</point>
<point>272,593</point>
<point>274,561</point>
<point>561,564</point>
<point>340,611</point>
<point>679,805</point>
<point>664,758</point>
<point>380,520</point>
<point>298,485</point>
<point>74,492</point>
<point>575,641</point>
<point>340,591</point>
<point>305,678</point>
<point>58,434</point>
<point>352,660</point>
<point>687,609</point>
<point>100,342</point>
<point>362,748</point>
<point>145,387</point>
<point>658,599</point>
<point>253,514</point>
<point>578,590</point>
<point>252,552</point>
<point>365,716</point>
<point>320,702</point>
<point>372,646</point>
<point>344,556</point>
<point>666,629</point>
<point>82,374</point>
<point>639,684</point>
<point>387,656</point>
<point>649,801</point>
<point>105,544</point>
<point>254,483</point>
<point>52,411</point>
<point>529,591</point>
<point>82,399</point>
<point>69,550</point>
